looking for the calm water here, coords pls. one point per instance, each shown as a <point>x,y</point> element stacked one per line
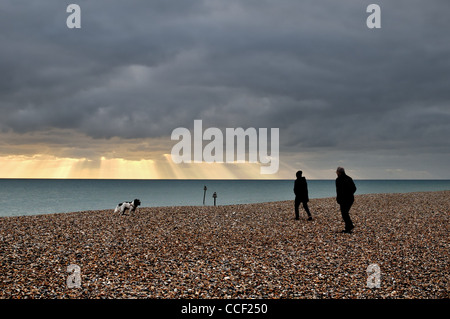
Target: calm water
<point>35,196</point>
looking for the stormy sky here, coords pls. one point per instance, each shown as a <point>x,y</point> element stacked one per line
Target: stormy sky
<point>106,97</point>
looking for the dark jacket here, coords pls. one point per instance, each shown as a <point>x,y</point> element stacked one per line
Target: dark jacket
<point>345,188</point>
<point>301,189</point>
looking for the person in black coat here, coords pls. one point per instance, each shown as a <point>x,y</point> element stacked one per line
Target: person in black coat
<point>301,195</point>
<point>345,188</point>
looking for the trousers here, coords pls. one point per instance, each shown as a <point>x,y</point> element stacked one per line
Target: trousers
<point>297,205</point>
<point>345,212</point>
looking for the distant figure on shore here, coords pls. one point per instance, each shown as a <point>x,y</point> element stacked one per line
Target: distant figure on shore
<point>345,188</point>
<point>301,195</point>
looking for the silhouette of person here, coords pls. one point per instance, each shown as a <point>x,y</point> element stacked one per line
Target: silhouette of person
<point>301,195</point>
<point>345,188</point>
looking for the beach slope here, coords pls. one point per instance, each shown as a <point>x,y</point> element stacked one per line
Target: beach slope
<point>236,251</point>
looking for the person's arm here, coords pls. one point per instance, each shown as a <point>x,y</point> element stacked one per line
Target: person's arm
<point>338,191</point>
<point>353,187</point>
<point>306,189</point>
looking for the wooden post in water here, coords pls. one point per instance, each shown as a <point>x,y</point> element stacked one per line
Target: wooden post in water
<point>215,196</point>
<point>204,194</point>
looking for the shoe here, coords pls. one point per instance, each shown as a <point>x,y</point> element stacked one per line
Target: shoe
<point>309,218</point>
<point>346,231</point>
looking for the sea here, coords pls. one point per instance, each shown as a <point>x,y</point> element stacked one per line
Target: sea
<point>19,197</point>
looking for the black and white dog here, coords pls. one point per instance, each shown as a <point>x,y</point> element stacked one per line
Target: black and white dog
<point>123,207</point>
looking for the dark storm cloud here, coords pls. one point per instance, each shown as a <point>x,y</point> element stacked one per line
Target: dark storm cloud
<point>312,68</point>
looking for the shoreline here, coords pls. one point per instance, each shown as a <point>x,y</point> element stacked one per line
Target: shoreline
<point>224,205</point>
<point>22,198</point>
<point>233,251</point>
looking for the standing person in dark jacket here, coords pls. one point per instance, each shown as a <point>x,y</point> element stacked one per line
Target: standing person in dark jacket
<point>301,195</point>
<point>345,188</point>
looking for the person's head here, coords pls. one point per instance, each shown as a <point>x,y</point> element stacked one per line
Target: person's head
<point>299,174</point>
<point>340,171</point>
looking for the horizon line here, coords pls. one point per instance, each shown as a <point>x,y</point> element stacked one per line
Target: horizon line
<point>220,179</point>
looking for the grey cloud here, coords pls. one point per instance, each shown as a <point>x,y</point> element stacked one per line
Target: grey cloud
<point>140,69</point>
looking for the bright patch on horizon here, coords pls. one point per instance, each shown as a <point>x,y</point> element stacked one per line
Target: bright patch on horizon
<point>48,166</point>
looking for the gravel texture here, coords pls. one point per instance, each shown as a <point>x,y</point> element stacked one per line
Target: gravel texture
<point>236,251</point>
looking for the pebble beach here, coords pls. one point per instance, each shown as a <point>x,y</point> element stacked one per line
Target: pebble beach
<point>233,251</point>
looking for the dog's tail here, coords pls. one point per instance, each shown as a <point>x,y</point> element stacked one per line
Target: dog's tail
<point>117,208</point>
